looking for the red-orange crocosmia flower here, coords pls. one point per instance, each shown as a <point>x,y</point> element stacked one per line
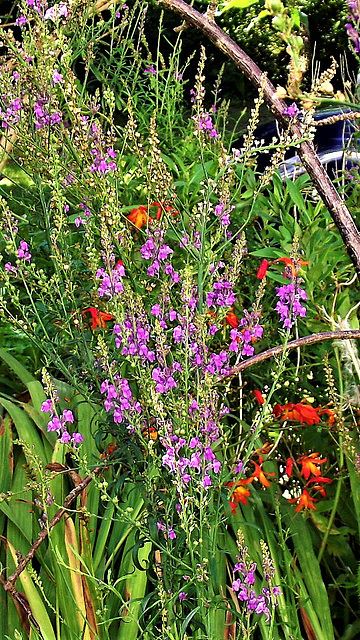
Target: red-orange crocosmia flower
<point>263,450</point>
<point>332,415</point>
<point>149,433</point>
<point>301,412</point>
<point>305,501</point>
<point>289,263</point>
<point>109,450</point>
<point>309,465</point>
<point>98,318</point>
<point>260,474</point>
<point>262,270</point>
<point>259,397</point>
<point>161,207</point>
<point>139,216</point>
<point>289,467</point>
<point>232,319</point>
<point>318,487</point>
<point>240,493</point>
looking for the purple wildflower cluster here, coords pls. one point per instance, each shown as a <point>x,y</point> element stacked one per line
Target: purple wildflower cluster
<point>56,12</point>
<point>40,7</point>
<point>104,156</point>
<point>243,339</point>
<point>133,336</point>
<point>223,213</point>
<point>87,213</point>
<point>168,532</point>
<point>120,402</point>
<point>352,26</point>
<point>23,253</point>
<point>110,281</point>
<point>43,117</point>
<point>58,423</point>
<point>204,123</point>
<point>289,306</point>
<point>151,70</point>
<point>195,241</point>
<point>57,77</point>
<point>164,376</point>
<point>103,163</point>
<point>192,460</point>
<point>156,250</point>
<point>222,294</point>
<point>11,115</point>
<point>243,586</point>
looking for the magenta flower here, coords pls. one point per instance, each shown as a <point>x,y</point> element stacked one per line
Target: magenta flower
<point>23,251</point>
<point>57,77</point>
<point>292,111</point>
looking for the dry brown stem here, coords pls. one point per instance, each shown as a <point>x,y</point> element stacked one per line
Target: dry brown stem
<point>294,344</point>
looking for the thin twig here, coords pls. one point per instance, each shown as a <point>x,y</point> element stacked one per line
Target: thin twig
<point>9,585</point>
<point>332,200</point>
<point>300,342</point>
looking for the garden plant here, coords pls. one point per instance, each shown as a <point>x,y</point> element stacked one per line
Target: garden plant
<point>179,379</point>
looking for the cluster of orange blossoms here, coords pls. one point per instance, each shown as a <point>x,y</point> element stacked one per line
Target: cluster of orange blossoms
<point>139,216</point>
<point>309,465</point>
<point>240,492</point>
<point>302,412</point>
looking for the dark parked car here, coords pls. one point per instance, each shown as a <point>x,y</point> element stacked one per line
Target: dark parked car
<point>336,144</point>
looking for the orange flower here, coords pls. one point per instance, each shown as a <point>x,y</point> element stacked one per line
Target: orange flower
<point>263,269</point>
<point>163,207</point>
<point>288,262</point>
<point>301,412</point>
<point>332,415</point>
<point>289,467</point>
<point>259,397</point>
<point>139,216</point>
<point>232,319</point>
<point>260,474</point>
<point>263,450</point>
<point>305,501</point>
<point>318,487</point>
<point>149,433</point>
<point>309,465</point>
<point>98,318</point>
<point>240,493</point>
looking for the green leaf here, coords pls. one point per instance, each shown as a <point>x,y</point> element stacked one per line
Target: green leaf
<point>296,196</point>
<point>17,368</point>
<point>25,427</point>
<point>239,4</point>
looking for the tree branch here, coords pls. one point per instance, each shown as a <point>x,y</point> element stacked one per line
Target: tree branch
<point>10,584</point>
<point>300,342</point>
<point>332,200</point>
